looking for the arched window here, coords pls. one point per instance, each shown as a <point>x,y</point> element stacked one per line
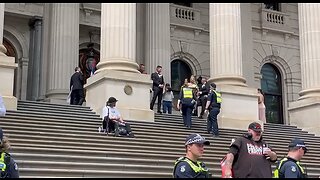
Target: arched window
<point>272,87</point>
<point>179,71</point>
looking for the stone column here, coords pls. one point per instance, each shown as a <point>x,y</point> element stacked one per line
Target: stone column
<point>34,67</point>
<point>119,36</point>
<point>117,73</point>
<point>225,44</point>
<point>7,66</point>
<point>63,52</point>
<point>158,39</point>
<point>239,103</point>
<point>305,113</point>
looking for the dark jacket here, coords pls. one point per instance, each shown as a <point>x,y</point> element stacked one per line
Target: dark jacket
<point>156,80</point>
<point>204,89</point>
<point>76,81</point>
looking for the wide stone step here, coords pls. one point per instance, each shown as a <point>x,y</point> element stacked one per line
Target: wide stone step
<point>44,129</point>
<point>91,173</point>
<point>53,114</point>
<point>89,126</point>
<point>56,110</point>
<point>46,104</point>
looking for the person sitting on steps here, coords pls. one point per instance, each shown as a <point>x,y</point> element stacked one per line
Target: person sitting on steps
<point>115,120</point>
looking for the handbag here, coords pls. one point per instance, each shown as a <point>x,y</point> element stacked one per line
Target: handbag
<point>122,130</point>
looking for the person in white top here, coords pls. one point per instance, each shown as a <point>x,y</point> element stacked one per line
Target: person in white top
<point>2,107</point>
<point>112,119</point>
<point>167,99</point>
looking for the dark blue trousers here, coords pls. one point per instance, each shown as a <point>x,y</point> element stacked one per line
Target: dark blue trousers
<point>186,109</point>
<point>212,121</point>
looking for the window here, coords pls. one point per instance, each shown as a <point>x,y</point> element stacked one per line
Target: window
<point>184,4</point>
<point>272,6</point>
<point>272,87</point>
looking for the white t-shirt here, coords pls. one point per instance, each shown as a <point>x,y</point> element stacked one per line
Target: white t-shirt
<point>114,113</point>
<point>2,107</point>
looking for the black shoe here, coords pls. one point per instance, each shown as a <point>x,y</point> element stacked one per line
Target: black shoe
<point>131,135</point>
<point>159,112</point>
<point>200,117</point>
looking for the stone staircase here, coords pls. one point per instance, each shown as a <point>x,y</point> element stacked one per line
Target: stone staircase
<point>52,140</point>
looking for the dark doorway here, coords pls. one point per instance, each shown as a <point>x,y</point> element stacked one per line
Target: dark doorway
<point>179,71</point>
<point>271,85</point>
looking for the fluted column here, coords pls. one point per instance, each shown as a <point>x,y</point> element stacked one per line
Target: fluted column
<point>118,37</point>
<point>225,44</point>
<point>309,34</point>
<point>64,48</point>
<point>158,39</point>
<point>3,50</point>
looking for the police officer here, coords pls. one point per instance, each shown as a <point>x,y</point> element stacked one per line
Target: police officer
<point>289,167</point>
<point>186,102</point>
<point>188,166</point>
<point>213,106</point>
<point>9,168</point>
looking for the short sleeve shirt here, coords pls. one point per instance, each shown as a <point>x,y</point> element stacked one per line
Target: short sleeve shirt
<point>290,170</point>
<point>249,161</point>
<point>114,113</point>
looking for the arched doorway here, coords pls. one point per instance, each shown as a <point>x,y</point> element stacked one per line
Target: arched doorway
<point>12,53</point>
<point>271,85</point>
<point>88,59</point>
<point>179,71</point>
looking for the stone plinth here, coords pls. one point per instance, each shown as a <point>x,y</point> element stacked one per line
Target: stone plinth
<point>134,106</point>
<point>7,67</point>
<point>239,107</point>
<point>305,114</point>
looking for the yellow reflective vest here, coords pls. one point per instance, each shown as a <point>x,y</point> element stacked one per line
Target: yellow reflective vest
<point>196,168</point>
<point>276,173</point>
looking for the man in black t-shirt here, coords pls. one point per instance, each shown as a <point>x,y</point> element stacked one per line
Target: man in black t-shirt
<point>249,156</point>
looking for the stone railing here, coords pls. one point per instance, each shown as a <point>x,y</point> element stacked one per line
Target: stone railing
<point>185,16</point>
<point>274,20</point>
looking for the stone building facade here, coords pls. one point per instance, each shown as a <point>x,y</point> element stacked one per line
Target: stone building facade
<point>251,45</point>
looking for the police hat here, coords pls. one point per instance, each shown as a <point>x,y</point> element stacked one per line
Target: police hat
<point>112,100</point>
<point>196,138</point>
<point>298,143</point>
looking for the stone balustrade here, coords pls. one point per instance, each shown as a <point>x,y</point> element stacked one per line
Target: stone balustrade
<point>185,16</point>
<point>274,20</point>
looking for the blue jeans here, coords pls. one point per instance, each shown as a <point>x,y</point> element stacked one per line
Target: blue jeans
<point>167,105</point>
<point>212,121</point>
<point>186,113</point>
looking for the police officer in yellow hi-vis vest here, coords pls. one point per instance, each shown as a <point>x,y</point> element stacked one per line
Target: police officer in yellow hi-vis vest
<point>289,167</point>
<point>186,101</point>
<point>213,106</point>
<point>188,166</point>
<point>9,168</point>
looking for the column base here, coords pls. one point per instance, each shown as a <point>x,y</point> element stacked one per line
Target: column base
<point>305,114</point>
<point>7,67</point>
<point>229,80</point>
<point>118,65</point>
<point>57,96</point>
<point>131,89</point>
<point>239,107</point>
